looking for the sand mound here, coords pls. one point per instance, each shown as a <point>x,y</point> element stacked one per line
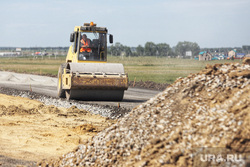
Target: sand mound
<point>86,128</point>
<point>16,110</point>
<point>208,112</point>
<point>32,131</point>
<point>246,60</point>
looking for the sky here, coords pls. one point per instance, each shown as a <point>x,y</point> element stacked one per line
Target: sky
<point>44,23</point>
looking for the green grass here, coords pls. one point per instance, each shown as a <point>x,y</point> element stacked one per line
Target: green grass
<point>32,65</point>
<point>160,70</point>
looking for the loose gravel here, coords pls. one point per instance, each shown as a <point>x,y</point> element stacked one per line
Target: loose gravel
<point>111,112</point>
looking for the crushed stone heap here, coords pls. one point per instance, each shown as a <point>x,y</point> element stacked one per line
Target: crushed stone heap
<point>204,110</point>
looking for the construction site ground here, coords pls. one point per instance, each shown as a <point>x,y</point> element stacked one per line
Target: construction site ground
<point>31,131</point>
<point>203,112</point>
<point>206,113</point>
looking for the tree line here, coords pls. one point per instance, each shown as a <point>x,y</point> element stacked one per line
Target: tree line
<point>152,49</point>
<point>59,48</point>
<point>149,49</point>
<point>164,49</point>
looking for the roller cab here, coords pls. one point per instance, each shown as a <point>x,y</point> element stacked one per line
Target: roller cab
<point>86,75</point>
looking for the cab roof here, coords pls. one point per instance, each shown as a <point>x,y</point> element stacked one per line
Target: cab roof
<point>90,27</point>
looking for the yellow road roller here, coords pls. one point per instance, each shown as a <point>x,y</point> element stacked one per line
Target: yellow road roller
<point>86,75</point>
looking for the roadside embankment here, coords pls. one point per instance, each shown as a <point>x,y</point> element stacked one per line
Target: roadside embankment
<point>205,111</point>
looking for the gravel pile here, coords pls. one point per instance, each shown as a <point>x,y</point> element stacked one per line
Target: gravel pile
<point>148,85</point>
<point>210,109</point>
<point>105,111</point>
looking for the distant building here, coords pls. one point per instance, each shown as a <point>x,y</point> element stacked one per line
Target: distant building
<point>232,53</point>
<point>38,53</point>
<point>204,56</point>
<point>18,49</point>
<point>10,54</point>
<point>240,55</point>
<point>189,54</point>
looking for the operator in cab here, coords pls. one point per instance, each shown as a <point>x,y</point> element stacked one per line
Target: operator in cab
<point>85,44</point>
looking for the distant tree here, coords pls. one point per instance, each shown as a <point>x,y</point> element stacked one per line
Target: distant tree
<point>163,49</point>
<point>246,49</point>
<point>182,47</point>
<point>127,51</point>
<point>150,49</point>
<point>116,49</point>
<point>112,50</point>
<point>140,50</point>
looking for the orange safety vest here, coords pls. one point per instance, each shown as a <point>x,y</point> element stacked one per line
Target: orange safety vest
<point>85,44</point>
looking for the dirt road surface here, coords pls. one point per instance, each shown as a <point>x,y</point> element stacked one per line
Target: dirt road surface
<point>48,86</point>
<point>31,131</point>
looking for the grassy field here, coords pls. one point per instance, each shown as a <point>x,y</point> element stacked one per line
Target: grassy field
<point>160,70</point>
<point>32,65</point>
